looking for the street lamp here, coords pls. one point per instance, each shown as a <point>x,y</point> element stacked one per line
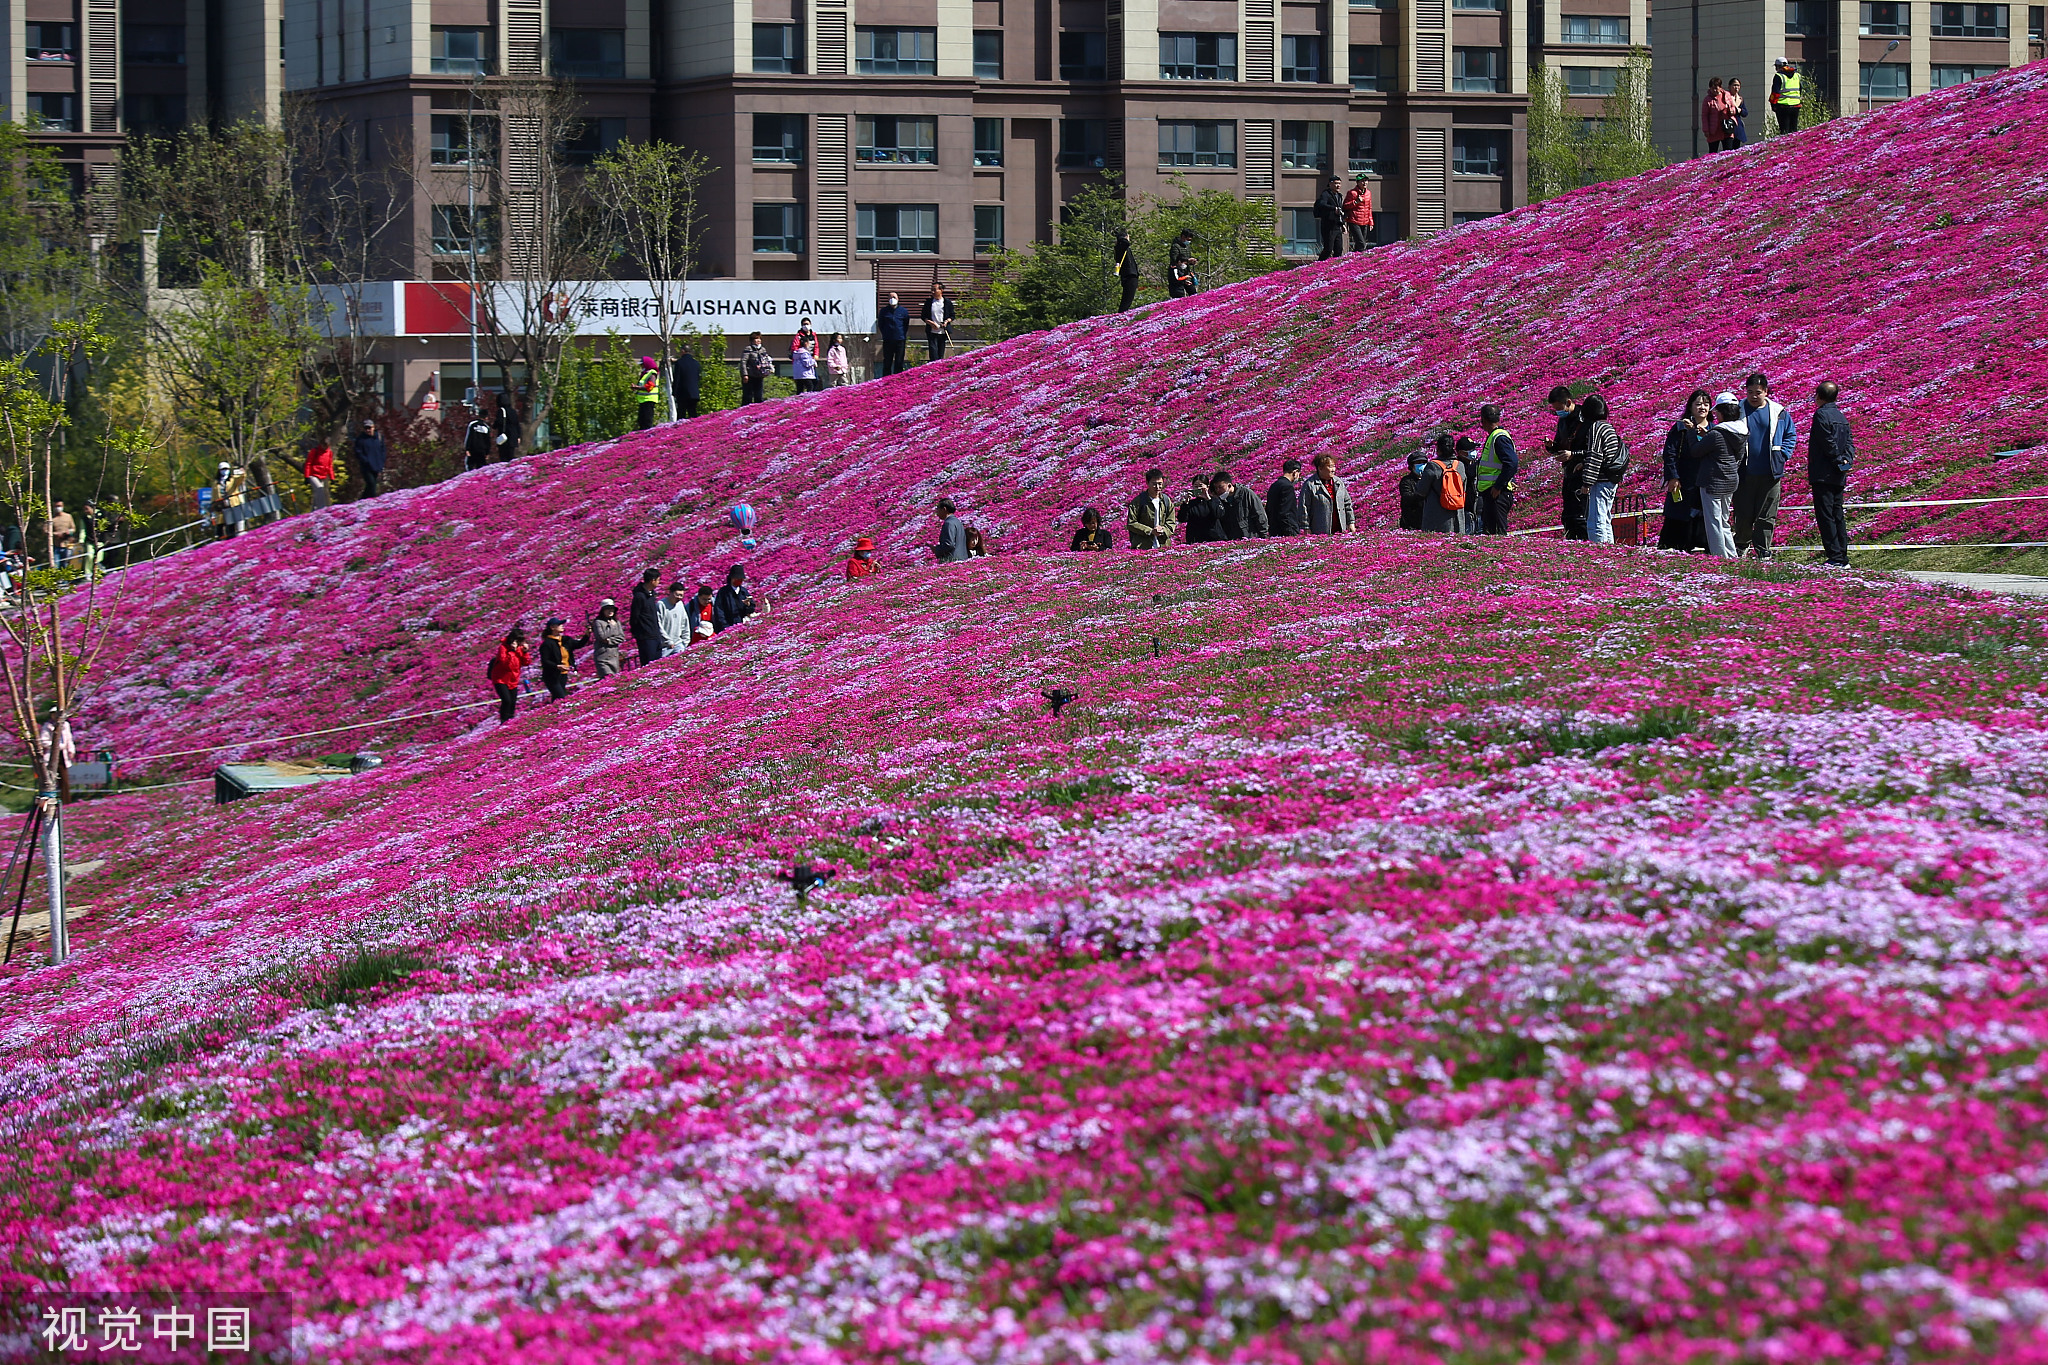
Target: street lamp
<point>1870,94</point>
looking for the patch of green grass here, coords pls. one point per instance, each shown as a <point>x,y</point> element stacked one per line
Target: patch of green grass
<point>369,969</point>
<point>1651,723</point>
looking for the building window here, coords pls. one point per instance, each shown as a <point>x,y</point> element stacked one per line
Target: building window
<point>988,55</point>
<point>1198,56</point>
<point>988,142</point>
<point>1476,68</point>
<point>1373,5</point>
<point>1298,233</point>
<point>775,50</point>
<point>459,140</point>
<point>156,115</point>
<point>1460,219</point>
<point>1476,152</point>
<point>1894,19</point>
<point>1210,144</point>
<point>593,137</point>
<point>1971,21</point>
<point>1084,56</point>
<point>1945,76</point>
<point>1602,31</point>
<point>1301,59</point>
<point>896,51</point>
<point>896,140</point>
<point>896,229</point>
<point>1885,81</point>
<point>778,229</point>
<point>53,42</point>
<point>1591,81</point>
<point>460,52</point>
<point>988,229</point>
<point>1304,146</point>
<point>1084,144</point>
<point>779,138</point>
<point>52,113</point>
<point>588,54</point>
<point>1375,151</point>
<point>148,44</point>
<point>1805,18</point>
<point>2037,22</point>
<point>1372,68</point>
<point>457,233</point>
<point>1491,6</point>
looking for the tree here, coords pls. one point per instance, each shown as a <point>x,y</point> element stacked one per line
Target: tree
<point>57,622</point>
<point>650,192</point>
<point>231,354</point>
<point>1075,276</point>
<point>44,269</point>
<point>1567,151</point>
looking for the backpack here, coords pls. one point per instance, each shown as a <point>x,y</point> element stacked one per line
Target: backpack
<point>1451,491</point>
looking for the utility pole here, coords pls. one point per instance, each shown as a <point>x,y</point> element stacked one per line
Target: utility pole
<point>469,174</point>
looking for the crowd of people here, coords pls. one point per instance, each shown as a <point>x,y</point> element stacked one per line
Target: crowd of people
<point>1724,112</point>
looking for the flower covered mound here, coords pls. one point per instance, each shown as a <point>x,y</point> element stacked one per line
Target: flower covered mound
<point>1904,254</point>
<point>1404,949</point>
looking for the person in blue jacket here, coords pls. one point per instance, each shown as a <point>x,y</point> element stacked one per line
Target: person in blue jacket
<point>892,325</point>
<point>1772,441</point>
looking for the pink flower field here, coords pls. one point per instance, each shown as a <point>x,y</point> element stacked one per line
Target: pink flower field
<point>1405,949</point>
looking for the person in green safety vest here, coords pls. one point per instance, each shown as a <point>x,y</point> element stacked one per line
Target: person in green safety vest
<point>647,389</point>
<point>1495,481</point>
<point>1788,92</point>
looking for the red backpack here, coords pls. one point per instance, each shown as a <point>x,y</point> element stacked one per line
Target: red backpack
<point>1451,492</point>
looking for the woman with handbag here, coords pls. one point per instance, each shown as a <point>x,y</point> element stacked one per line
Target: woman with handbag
<point>1684,523</point>
<point>1606,463</point>
<point>1717,117</point>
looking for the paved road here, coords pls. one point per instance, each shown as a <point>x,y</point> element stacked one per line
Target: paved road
<point>2017,584</point>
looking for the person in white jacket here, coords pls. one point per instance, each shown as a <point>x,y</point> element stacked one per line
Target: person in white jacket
<point>673,614</point>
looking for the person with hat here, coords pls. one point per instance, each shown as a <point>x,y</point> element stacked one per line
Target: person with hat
<point>1358,214</point>
<point>863,561</point>
<point>647,391</point>
<point>673,613</point>
<point>558,656</point>
<point>1329,216</point>
<point>1788,92</point>
<point>368,449</point>
<point>733,603</point>
<point>1723,457</point>
<point>230,486</point>
<point>1497,467</point>
<point>609,634</point>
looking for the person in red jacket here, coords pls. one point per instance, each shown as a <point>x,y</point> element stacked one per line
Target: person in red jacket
<point>863,562</point>
<point>506,666</point>
<point>1358,214</point>
<point>319,471</point>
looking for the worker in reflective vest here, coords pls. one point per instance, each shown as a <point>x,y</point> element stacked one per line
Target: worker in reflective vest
<point>1495,481</point>
<point>1787,93</point>
<point>647,388</point>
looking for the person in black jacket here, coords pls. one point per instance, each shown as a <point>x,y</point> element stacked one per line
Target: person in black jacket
<point>1126,270</point>
<point>1092,535</point>
<point>1414,491</point>
<point>510,428</point>
<point>1684,522</point>
<point>687,382</point>
<point>734,603</point>
<point>558,656</point>
<point>478,441</point>
<point>1329,214</point>
<point>892,326</point>
<point>1722,458</point>
<point>1830,454</point>
<point>1239,513</point>
<point>1569,445</point>
<point>1284,513</point>
<point>368,449</point>
<point>1197,512</point>
<point>644,619</point>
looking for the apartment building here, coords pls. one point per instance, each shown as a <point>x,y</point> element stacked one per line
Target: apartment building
<point>855,138</point>
<point>83,74</point>
<point>1585,43</point>
<point>1854,55</point>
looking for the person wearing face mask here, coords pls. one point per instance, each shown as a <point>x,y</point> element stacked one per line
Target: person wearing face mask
<point>892,325</point>
<point>608,633</point>
<point>1569,445</point>
<point>863,561</point>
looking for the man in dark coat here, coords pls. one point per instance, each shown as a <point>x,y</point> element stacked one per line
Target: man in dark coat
<point>1329,213</point>
<point>686,381</point>
<point>1126,270</point>
<point>1570,448</point>
<point>1239,513</point>
<point>734,603</point>
<point>1830,454</point>
<point>952,546</point>
<point>644,620</point>
<point>1284,513</point>
<point>510,427</point>
<point>892,325</point>
<point>369,452</point>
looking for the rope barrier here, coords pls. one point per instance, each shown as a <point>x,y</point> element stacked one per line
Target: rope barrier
<point>1658,511</point>
<point>311,734</point>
